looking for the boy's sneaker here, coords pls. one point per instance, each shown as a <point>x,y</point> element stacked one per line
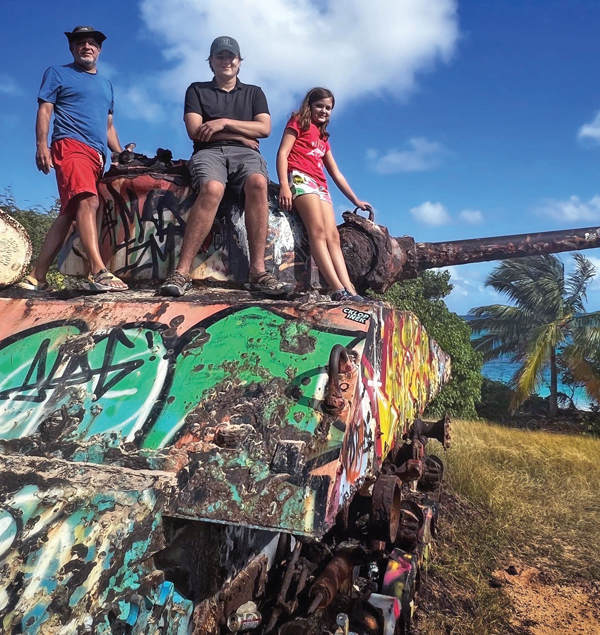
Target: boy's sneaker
<point>267,283</point>
<point>345,296</point>
<point>176,284</point>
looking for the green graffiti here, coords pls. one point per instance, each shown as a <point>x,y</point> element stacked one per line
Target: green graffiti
<point>89,384</point>
<point>246,355</point>
<point>125,384</point>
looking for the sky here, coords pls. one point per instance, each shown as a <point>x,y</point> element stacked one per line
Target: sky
<point>454,118</point>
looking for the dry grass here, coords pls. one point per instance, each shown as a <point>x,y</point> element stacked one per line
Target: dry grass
<point>513,496</point>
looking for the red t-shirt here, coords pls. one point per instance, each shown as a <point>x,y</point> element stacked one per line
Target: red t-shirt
<point>308,151</point>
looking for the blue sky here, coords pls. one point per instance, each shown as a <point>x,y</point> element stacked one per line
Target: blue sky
<point>454,119</point>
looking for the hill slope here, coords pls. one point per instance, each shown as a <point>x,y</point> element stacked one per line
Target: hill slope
<point>526,499</point>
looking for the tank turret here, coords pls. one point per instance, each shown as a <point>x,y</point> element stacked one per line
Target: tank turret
<point>376,260</point>
<point>145,207</point>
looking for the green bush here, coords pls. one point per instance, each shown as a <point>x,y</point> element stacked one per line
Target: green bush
<point>423,296</point>
<point>495,400</point>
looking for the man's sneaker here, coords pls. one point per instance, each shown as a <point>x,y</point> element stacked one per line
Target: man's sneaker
<point>176,284</point>
<point>267,283</point>
<point>344,296</point>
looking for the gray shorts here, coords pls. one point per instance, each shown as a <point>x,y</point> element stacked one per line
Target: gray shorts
<point>230,165</point>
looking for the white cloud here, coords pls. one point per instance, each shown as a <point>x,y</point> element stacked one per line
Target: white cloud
<point>423,155</point>
<point>590,131</point>
<point>471,216</point>
<point>469,289</point>
<point>572,210</point>
<point>108,70</point>
<point>431,214</point>
<point>354,47</point>
<point>8,86</point>
<point>135,102</point>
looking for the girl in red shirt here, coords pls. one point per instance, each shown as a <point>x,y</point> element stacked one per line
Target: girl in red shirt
<point>303,152</point>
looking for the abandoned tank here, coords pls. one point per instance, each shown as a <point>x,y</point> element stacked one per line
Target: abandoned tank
<point>220,462</point>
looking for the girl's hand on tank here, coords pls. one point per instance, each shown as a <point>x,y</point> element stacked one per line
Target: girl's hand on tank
<point>363,205</point>
<point>285,198</point>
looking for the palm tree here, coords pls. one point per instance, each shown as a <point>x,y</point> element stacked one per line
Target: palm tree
<point>549,319</point>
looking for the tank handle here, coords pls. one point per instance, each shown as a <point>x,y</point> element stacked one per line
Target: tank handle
<point>370,210</point>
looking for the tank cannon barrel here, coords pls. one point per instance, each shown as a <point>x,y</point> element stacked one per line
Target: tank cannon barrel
<point>458,252</point>
<point>376,260</point>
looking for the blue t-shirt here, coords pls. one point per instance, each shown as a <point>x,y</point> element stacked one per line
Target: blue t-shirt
<point>81,101</point>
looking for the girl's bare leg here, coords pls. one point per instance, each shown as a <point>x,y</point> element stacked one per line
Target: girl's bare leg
<point>334,247</point>
<point>311,212</point>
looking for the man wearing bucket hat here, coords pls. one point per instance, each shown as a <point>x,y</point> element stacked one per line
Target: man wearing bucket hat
<point>81,100</point>
<point>225,119</point>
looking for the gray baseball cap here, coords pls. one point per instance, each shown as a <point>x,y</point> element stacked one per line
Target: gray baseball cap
<point>85,31</point>
<point>225,43</point>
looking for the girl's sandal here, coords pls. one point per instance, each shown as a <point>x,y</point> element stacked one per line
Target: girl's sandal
<point>31,284</point>
<point>99,281</point>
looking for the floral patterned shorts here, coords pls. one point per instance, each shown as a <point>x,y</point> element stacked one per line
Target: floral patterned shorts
<point>301,183</point>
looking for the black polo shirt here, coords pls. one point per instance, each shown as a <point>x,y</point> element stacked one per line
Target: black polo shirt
<point>243,103</point>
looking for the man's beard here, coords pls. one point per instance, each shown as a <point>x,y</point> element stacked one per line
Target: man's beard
<point>87,64</point>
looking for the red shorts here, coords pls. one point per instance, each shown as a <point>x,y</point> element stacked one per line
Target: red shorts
<point>78,169</point>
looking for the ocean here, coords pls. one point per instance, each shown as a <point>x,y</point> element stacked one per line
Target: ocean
<point>503,369</point>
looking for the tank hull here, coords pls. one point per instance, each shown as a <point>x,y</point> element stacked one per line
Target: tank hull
<point>127,419</point>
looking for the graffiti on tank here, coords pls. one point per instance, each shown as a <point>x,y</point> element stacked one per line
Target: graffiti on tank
<point>143,222</point>
<point>154,390</point>
<point>82,377</point>
<point>90,544</point>
<point>146,226</point>
<point>356,316</point>
<point>139,381</point>
<point>402,370</point>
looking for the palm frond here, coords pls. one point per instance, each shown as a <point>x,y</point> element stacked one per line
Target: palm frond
<point>493,347</point>
<point>533,283</point>
<point>583,371</point>
<point>585,334</point>
<point>586,320</point>
<point>501,319</point>
<point>544,340</point>
<point>578,282</point>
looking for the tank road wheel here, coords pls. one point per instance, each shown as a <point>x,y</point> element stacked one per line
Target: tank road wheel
<point>386,508</point>
<point>15,250</point>
<point>433,474</point>
<point>410,528</point>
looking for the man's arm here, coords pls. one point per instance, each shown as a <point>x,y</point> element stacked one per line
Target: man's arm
<point>258,128</point>
<point>43,158</point>
<point>112,137</point>
<point>193,124</point>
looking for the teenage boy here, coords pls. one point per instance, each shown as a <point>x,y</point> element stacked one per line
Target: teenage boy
<point>225,119</point>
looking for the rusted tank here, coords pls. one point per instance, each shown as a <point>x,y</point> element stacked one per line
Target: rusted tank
<point>146,203</point>
<point>215,463</point>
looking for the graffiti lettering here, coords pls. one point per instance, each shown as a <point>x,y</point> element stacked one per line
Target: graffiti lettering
<point>62,367</point>
<point>73,380</point>
<point>148,239</point>
<point>356,316</point>
<point>71,368</point>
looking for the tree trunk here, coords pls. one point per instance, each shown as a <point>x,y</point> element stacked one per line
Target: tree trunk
<point>553,384</point>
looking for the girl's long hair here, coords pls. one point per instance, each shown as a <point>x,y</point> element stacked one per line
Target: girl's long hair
<point>303,114</point>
